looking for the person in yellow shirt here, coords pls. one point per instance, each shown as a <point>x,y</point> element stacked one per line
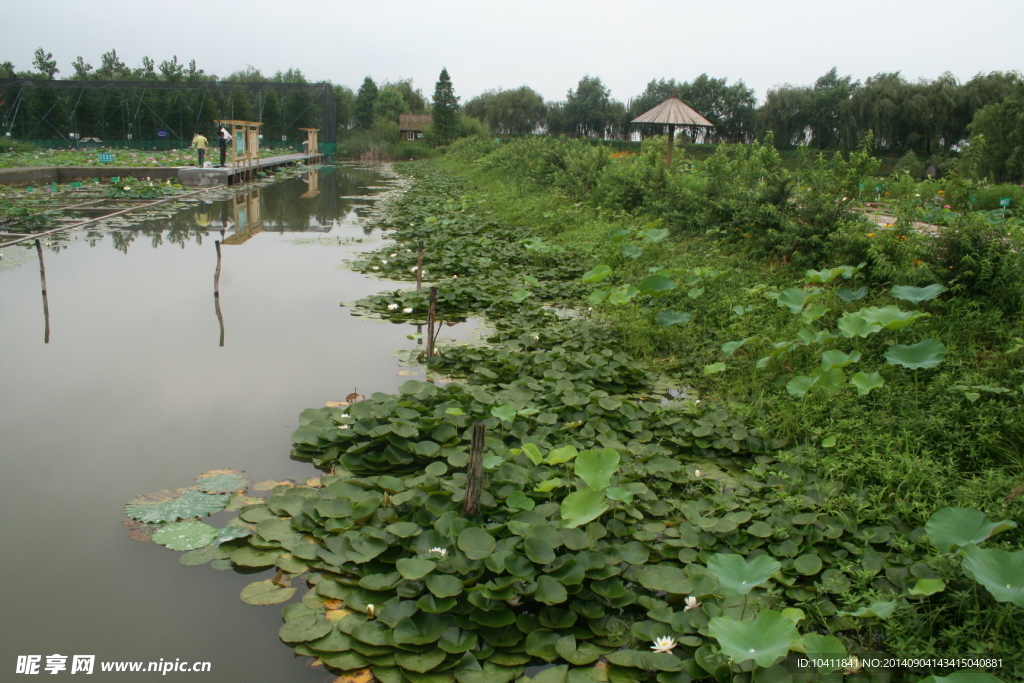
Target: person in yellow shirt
<point>199,143</point>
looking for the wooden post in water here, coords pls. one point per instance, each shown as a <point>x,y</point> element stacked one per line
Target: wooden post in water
<point>431,313</point>
<point>419,267</point>
<point>475,471</point>
<point>46,305</point>
<point>216,293</point>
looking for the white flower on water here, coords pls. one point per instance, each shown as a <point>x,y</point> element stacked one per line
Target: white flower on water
<point>394,255</point>
<point>376,267</point>
<point>691,603</point>
<point>696,474</point>
<point>441,552</point>
<point>371,611</point>
<point>392,307</point>
<point>384,261</point>
<point>344,427</point>
<point>413,269</point>
<point>406,310</point>
<point>664,644</point>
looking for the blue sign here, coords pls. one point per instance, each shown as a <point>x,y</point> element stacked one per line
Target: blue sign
<point>163,133</point>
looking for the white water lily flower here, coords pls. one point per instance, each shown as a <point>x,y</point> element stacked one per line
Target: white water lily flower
<point>413,269</point>
<point>371,611</point>
<point>384,261</point>
<point>406,310</point>
<point>376,268</point>
<point>392,307</point>
<point>664,644</point>
<point>394,254</point>
<point>696,473</point>
<point>344,427</point>
<point>441,552</point>
<point>691,603</point>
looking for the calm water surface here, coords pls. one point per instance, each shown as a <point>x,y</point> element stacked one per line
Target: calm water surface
<point>135,392</point>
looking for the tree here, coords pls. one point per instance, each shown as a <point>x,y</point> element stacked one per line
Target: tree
<point>171,70</point>
<point>415,102</point>
<point>445,109</point>
<point>587,108</point>
<point>6,70</point>
<point>829,113</point>
<point>390,104</point>
<point>81,69</point>
<point>44,63</point>
<point>1002,127</point>
<point>509,112</point>
<point>112,68</point>
<point>365,99</point>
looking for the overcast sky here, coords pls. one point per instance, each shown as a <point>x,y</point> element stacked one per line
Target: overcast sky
<point>546,44</point>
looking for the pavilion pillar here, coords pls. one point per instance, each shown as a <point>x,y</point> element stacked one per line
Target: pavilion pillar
<point>671,144</point>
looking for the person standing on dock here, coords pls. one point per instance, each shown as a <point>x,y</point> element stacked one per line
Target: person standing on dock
<point>200,143</point>
<point>223,138</point>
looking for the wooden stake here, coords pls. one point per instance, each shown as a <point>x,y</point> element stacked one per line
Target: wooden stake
<point>475,471</point>
<point>431,313</point>
<point>46,305</point>
<point>419,267</point>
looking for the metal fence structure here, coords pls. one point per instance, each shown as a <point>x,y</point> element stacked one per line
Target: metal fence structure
<point>161,112</point>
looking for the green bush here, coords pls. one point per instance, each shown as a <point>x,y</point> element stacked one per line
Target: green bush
<point>8,145</point>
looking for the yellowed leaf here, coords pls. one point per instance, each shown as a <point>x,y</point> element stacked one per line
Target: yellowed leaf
<point>407,373</point>
<point>270,484</point>
<point>314,482</point>
<point>137,531</point>
<point>336,404</point>
<point>333,604</point>
<point>354,397</point>
<point>336,614</point>
<point>239,501</point>
<point>360,676</point>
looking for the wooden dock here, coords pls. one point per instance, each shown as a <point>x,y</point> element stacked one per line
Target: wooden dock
<point>190,176</point>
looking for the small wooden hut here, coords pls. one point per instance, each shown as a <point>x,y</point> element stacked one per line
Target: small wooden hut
<point>412,126</point>
<point>674,112</point>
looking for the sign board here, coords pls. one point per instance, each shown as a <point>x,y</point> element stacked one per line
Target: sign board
<point>106,157</point>
<point>1004,202</point>
<point>163,134</point>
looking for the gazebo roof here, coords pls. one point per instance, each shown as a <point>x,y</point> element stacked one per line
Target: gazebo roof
<point>676,112</point>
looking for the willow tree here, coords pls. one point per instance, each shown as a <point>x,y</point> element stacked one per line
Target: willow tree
<point>509,112</point>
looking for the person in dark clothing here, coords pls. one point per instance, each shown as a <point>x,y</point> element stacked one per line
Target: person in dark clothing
<point>223,138</point>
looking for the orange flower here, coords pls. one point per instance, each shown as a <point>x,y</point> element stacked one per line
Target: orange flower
<point>871,234</point>
<point>917,262</point>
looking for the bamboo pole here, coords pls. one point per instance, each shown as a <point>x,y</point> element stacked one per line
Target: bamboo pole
<point>216,293</point>
<point>46,305</point>
<point>475,471</point>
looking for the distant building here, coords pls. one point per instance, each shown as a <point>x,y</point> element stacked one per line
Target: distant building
<point>412,126</point>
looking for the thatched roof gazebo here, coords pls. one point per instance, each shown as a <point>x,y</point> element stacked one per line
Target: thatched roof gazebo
<point>674,112</point>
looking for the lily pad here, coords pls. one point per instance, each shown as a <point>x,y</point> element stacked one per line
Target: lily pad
<point>185,535</point>
<point>222,481</point>
<point>266,593</point>
<point>164,506</point>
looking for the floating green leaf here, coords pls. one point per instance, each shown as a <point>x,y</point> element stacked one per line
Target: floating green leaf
<point>738,576</point>
<point>952,528</point>
<point>476,543</point>
<point>656,285</point>
<point>412,568</point>
<point>505,413</point>
<point>561,455</point>
<point>164,506</point>
<point>880,610</point>
<point>222,481</point>
<point>266,593</point>
<point>185,535</point>
<point>826,649</point>
<point>924,354</point>
<point>765,640</point>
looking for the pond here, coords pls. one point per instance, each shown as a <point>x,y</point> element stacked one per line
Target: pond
<point>138,380</point>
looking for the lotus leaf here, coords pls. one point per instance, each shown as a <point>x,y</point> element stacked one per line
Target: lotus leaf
<point>794,299</point>
<point>952,528</point>
<point>765,640</point>
<point>266,593</point>
<point>656,284</point>
<point>927,587</point>
<point>670,317</point>
<point>185,535</point>
<point>737,576</point>
<point>837,359</point>
<point>866,381</point>
<point>848,295</point>
<point>622,295</point>
<point>222,481</point>
<point>631,251</point>
<point>856,325</point>
<point>596,274</point>
<point>916,295</point>
<point>1001,572</point>
<point>812,313</point>
<point>881,610</point>
<point>891,317</point>
<point>824,648</point>
<point>580,507</point>
<point>561,455</point>
<point>924,354</point>
<point>596,467</point>
<point>157,508</point>
<point>800,385</point>
<point>655,235</point>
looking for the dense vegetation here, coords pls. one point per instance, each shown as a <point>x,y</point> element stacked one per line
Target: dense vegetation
<point>770,427</point>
